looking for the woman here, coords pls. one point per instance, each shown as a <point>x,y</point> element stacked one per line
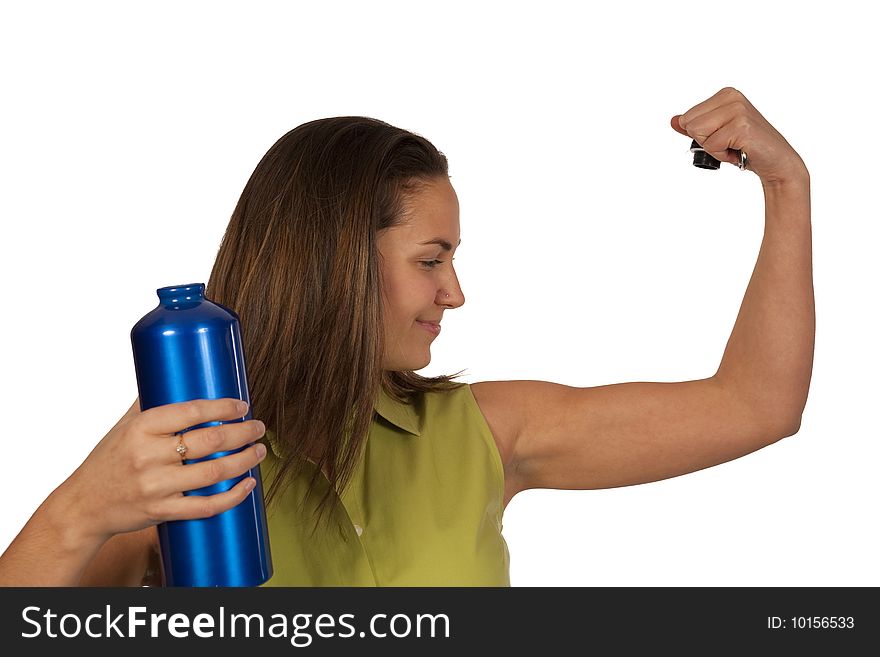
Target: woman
<point>338,259</point>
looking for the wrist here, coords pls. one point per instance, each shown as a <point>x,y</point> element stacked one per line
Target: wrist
<point>73,529</point>
<point>52,549</point>
<point>795,181</point>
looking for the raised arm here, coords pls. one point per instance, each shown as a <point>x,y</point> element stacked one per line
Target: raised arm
<point>769,357</point>
<point>556,436</point>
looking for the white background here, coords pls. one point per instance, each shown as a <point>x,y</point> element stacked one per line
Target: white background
<point>593,251</point>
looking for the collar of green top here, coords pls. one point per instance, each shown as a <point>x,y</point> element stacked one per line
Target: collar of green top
<point>403,416</point>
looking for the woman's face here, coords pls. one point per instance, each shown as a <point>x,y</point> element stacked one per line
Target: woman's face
<point>418,274</point>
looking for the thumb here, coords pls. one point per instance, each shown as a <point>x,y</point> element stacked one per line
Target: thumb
<point>677,126</point>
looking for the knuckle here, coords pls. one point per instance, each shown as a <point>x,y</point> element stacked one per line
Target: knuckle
<point>206,508</point>
<point>249,432</point>
<point>193,411</point>
<point>744,126</point>
<point>154,511</point>
<point>243,432</point>
<point>152,493</point>
<point>139,461</point>
<point>215,471</point>
<point>143,488</point>
<point>216,437</point>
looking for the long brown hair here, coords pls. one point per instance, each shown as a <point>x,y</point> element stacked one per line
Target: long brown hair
<point>299,264</point>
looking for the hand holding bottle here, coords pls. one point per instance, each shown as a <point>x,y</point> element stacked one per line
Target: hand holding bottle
<point>132,479</point>
<point>135,478</point>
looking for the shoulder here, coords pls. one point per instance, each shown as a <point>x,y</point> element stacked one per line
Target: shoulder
<point>508,407</point>
<point>503,404</point>
<point>515,408</point>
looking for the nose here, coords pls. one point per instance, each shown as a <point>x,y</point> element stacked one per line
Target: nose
<point>450,294</point>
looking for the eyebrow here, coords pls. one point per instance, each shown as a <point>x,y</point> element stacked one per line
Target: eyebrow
<point>446,246</point>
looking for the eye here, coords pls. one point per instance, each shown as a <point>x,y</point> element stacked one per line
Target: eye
<point>431,264</point>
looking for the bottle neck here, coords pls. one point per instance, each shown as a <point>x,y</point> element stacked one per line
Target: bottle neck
<point>181,296</point>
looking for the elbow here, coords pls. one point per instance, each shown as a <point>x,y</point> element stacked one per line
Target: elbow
<point>783,418</point>
<point>789,428</point>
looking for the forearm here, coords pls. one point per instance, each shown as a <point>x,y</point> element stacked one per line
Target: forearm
<point>49,550</point>
<point>769,356</point>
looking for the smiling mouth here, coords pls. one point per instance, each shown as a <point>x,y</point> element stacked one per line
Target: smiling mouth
<point>430,326</point>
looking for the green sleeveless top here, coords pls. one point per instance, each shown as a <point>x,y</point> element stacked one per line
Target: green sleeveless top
<point>424,506</point>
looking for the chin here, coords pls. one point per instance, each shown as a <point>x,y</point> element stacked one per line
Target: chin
<point>409,364</point>
<point>415,364</point>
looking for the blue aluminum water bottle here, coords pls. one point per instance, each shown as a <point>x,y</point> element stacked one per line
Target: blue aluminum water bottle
<point>189,347</point>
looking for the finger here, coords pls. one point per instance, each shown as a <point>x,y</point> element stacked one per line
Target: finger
<point>718,132</point>
<point>701,127</point>
<point>722,97</point>
<point>677,126</point>
<point>720,144</point>
<point>191,507</point>
<point>206,473</point>
<point>221,438</point>
<point>171,418</point>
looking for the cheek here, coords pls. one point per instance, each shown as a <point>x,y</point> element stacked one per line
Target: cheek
<point>398,311</point>
<point>406,298</point>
